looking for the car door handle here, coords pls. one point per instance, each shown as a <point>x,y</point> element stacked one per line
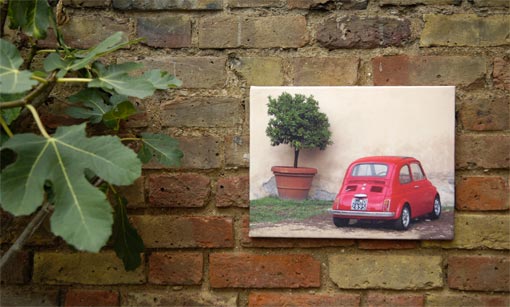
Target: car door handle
<point>416,186</point>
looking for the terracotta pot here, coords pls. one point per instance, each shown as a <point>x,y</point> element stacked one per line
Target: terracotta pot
<point>293,182</point>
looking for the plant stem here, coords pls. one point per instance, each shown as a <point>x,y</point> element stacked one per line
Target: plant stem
<point>33,95</point>
<point>42,80</point>
<point>296,157</point>
<point>84,80</point>
<point>6,127</point>
<point>130,139</point>
<point>3,15</point>
<point>32,226</point>
<point>38,120</point>
<point>46,51</point>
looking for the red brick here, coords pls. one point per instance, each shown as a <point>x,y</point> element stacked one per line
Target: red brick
<point>183,297</point>
<point>386,244</point>
<point>263,271</point>
<point>479,273</point>
<point>266,299</point>
<point>429,70</point>
<point>501,73</point>
<point>80,297</point>
<point>183,268</point>
<point>390,300</point>
<point>468,300</point>
<point>363,32</point>
<point>165,31</point>
<point>29,296</point>
<point>233,191</point>
<point>246,241</point>
<point>488,112</point>
<point>17,270</point>
<point>183,232</point>
<point>482,193</point>
<point>134,193</point>
<point>179,190</point>
<point>482,151</point>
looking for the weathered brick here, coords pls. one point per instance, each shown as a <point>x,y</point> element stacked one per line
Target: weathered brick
<point>83,268</point>
<point>17,269</point>
<point>194,72</point>
<point>82,297</point>
<point>88,3</point>
<point>419,2</point>
<point>266,299</point>
<point>355,271</point>
<point>479,273</point>
<point>233,191</point>
<point>83,32</point>
<point>477,193</point>
<point>405,300</point>
<point>487,151</point>
<point>237,150</point>
<point>475,231</point>
<point>466,300</point>
<point>200,152</point>
<point>501,73</point>
<point>485,113</point>
<point>328,4</point>
<point>134,193</point>
<point>324,71</point>
<point>183,268</point>
<point>179,190</point>
<point>30,296</point>
<point>429,70</point>
<point>261,70</point>
<point>490,3</point>
<point>263,271</point>
<point>387,244</point>
<point>132,297</point>
<point>255,3</point>
<point>248,241</point>
<point>165,31</point>
<point>465,30</point>
<point>252,32</point>
<point>363,32</point>
<point>182,232</point>
<point>168,5</point>
<point>202,112</point>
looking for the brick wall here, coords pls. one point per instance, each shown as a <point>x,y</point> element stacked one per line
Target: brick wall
<point>194,219</point>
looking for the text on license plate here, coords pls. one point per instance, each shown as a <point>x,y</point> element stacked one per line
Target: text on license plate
<point>359,204</point>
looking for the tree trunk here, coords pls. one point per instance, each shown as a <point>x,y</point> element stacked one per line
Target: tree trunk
<point>296,156</point>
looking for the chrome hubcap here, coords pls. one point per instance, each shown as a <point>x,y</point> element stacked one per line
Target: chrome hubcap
<point>437,206</point>
<point>405,217</point>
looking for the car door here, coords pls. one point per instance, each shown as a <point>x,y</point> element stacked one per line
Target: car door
<point>424,197</point>
<point>408,190</point>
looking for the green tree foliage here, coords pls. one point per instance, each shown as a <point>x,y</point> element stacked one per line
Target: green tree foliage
<point>74,173</point>
<point>297,121</point>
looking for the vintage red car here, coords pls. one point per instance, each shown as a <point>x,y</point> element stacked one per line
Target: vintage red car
<point>385,188</point>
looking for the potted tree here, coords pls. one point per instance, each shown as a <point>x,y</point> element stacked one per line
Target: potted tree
<point>296,121</point>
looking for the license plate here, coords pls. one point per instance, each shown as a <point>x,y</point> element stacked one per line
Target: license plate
<point>359,204</point>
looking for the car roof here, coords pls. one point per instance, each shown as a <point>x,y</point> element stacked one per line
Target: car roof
<point>385,159</point>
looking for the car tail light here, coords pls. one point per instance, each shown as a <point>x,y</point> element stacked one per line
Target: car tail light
<point>350,188</point>
<point>386,204</point>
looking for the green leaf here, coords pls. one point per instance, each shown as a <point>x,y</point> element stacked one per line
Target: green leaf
<point>53,62</point>
<point>13,80</point>
<point>162,147</point>
<point>115,77</point>
<point>9,115</point>
<point>110,44</point>
<point>82,213</point>
<point>32,16</point>
<point>161,79</point>
<point>126,242</point>
<point>93,106</point>
<point>121,111</point>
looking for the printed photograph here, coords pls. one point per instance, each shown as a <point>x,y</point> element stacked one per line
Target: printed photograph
<point>352,162</point>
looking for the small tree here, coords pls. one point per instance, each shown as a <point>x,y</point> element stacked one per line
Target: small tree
<point>297,121</point>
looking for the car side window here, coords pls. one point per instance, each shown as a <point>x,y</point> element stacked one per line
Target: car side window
<point>404,175</point>
<point>417,172</point>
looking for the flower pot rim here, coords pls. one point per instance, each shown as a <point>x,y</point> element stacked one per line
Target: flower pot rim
<point>294,170</point>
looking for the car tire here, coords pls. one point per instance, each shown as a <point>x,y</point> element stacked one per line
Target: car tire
<point>404,220</point>
<point>340,222</point>
<point>436,208</point>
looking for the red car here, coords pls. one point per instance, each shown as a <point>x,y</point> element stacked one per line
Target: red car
<point>385,188</point>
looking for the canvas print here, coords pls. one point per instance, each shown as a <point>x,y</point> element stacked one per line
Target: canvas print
<point>352,162</point>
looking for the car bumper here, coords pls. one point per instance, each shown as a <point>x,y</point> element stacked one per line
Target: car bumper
<point>355,214</point>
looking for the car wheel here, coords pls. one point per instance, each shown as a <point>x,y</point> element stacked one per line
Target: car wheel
<point>339,222</point>
<point>436,209</point>
<point>402,223</point>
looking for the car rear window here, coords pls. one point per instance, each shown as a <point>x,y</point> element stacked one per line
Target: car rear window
<point>370,170</point>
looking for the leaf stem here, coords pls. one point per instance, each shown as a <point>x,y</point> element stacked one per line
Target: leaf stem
<point>38,90</point>
<point>42,80</point>
<point>46,51</point>
<point>38,120</point>
<point>6,127</point>
<point>130,139</point>
<point>84,80</point>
